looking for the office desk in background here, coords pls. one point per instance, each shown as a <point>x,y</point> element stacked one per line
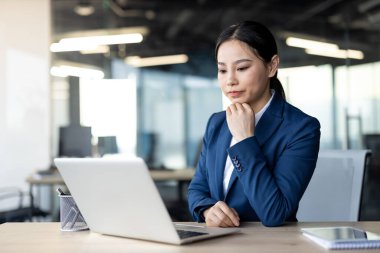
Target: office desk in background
<point>254,237</point>
<point>158,175</point>
<point>181,176</point>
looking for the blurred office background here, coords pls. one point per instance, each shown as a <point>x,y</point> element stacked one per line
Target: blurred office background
<point>62,97</point>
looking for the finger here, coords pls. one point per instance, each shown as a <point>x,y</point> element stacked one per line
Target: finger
<point>232,217</point>
<point>239,107</point>
<point>230,214</point>
<point>228,111</point>
<point>236,213</point>
<point>214,221</point>
<point>247,107</point>
<point>212,218</point>
<point>223,218</point>
<point>233,108</point>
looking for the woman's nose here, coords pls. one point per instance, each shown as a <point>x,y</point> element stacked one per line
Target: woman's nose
<point>231,80</point>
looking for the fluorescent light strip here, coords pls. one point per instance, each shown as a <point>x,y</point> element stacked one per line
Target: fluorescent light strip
<point>102,32</point>
<point>136,61</point>
<point>310,44</point>
<point>340,53</point>
<point>102,49</point>
<point>105,40</point>
<point>92,42</point>
<point>64,71</point>
<point>58,47</point>
<point>324,49</point>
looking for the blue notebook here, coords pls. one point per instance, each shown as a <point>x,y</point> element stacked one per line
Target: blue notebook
<point>342,237</point>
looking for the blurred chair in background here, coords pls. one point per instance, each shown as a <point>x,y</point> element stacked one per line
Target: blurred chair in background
<point>371,194</point>
<point>335,190</point>
<point>12,206</point>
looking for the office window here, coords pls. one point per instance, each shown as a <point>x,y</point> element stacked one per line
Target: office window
<point>203,98</point>
<point>109,107</point>
<point>161,124</point>
<point>310,89</point>
<point>173,113</point>
<point>358,102</point>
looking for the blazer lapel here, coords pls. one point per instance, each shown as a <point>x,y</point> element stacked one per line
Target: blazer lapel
<point>224,141</point>
<point>270,120</point>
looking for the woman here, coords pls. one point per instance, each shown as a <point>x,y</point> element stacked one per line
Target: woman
<point>259,155</point>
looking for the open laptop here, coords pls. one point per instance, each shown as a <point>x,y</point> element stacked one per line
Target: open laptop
<point>118,197</point>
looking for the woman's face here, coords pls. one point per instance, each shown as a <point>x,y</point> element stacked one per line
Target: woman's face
<point>243,77</point>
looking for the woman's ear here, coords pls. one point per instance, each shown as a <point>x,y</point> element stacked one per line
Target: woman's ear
<point>273,65</point>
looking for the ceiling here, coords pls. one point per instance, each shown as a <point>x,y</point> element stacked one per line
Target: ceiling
<point>191,27</point>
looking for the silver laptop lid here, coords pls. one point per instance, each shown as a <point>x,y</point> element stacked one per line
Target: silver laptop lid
<point>118,197</point>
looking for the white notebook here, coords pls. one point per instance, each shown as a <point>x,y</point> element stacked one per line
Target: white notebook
<point>342,237</point>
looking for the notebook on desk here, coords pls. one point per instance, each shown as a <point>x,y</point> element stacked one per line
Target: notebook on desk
<point>119,197</point>
<point>342,237</point>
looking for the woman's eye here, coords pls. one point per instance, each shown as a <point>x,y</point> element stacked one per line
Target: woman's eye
<point>242,68</point>
<point>222,71</point>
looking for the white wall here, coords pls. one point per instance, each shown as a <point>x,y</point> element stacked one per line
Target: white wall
<point>24,89</point>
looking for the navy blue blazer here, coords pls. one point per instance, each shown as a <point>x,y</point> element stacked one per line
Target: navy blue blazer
<point>271,169</point>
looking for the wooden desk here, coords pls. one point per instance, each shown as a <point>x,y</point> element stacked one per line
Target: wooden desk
<point>47,237</point>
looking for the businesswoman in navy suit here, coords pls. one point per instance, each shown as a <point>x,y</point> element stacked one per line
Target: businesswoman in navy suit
<point>258,156</point>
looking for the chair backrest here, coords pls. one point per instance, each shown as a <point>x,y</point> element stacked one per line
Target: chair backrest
<point>334,192</point>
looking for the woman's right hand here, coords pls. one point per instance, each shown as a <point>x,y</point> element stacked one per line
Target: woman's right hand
<point>221,215</point>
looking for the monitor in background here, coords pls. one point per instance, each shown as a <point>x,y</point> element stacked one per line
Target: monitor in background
<point>107,145</point>
<point>75,141</point>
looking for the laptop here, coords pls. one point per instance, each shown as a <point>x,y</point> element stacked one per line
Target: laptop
<point>118,197</point>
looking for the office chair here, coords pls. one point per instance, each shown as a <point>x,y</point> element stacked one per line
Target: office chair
<point>17,213</point>
<point>371,191</point>
<point>335,190</point>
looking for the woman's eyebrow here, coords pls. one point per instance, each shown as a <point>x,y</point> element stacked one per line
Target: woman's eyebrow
<point>242,60</point>
<point>236,62</point>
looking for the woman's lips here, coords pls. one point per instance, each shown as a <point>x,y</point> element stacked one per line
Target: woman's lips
<point>235,94</point>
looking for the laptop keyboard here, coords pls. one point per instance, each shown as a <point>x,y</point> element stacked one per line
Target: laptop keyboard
<point>186,234</point>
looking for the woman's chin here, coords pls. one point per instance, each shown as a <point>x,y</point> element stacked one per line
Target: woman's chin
<point>237,101</point>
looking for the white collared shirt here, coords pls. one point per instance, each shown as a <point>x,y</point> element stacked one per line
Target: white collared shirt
<point>228,169</point>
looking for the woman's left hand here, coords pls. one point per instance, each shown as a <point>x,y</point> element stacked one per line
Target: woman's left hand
<point>241,121</point>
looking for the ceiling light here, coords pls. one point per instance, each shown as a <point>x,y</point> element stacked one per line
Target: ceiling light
<point>143,30</point>
<point>66,70</point>
<point>105,40</point>
<point>310,44</point>
<point>136,61</point>
<point>339,53</point>
<point>59,47</point>
<point>92,42</point>
<point>320,48</point>
<point>102,49</point>
<point>84,8</point>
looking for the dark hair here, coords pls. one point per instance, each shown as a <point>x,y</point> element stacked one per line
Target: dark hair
<point>261,41</point>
